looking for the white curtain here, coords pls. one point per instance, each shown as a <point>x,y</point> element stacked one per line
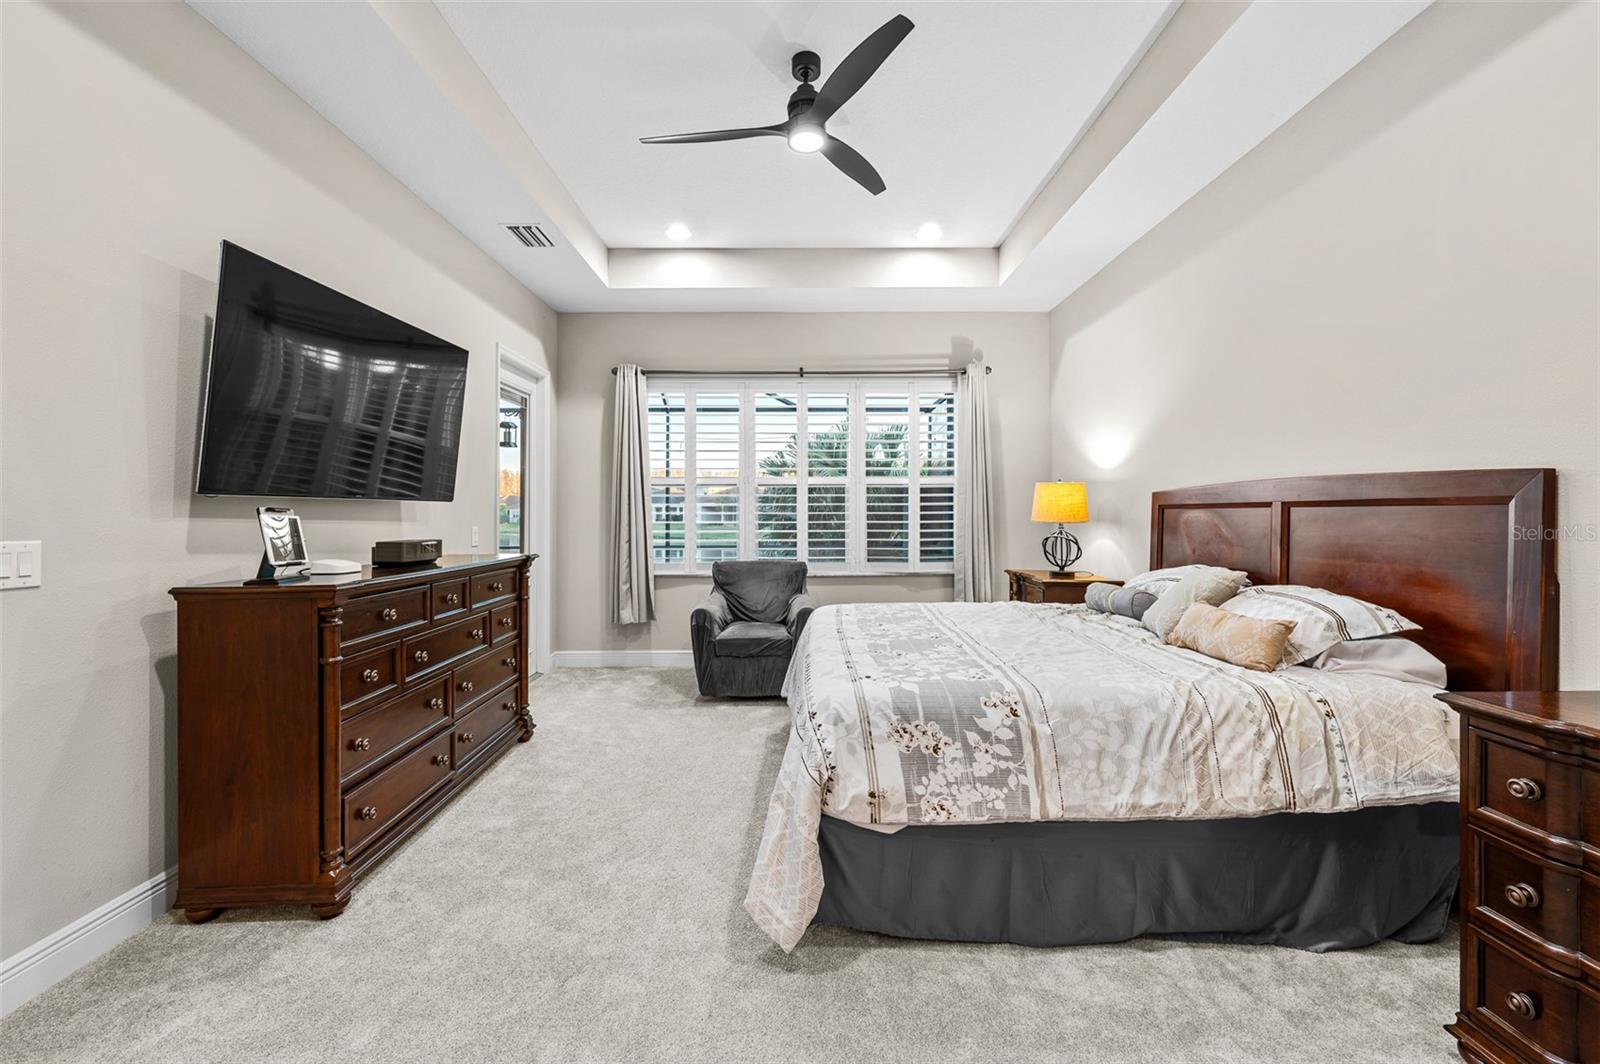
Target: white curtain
<point>974,546</point>
<point>632,567</point>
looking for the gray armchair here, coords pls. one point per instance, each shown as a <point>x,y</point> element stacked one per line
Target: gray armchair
<point>745,631</point>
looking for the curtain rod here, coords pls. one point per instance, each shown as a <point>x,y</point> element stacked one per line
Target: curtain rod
<point>802,372</point>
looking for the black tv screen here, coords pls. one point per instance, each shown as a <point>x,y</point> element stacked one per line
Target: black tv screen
<point>313,394</point>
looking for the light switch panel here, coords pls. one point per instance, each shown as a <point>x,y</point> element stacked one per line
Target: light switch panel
<point>21,563</point>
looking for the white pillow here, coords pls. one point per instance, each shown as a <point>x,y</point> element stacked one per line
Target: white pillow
<point>1203,583</point>
<point>1322,618</point>
<point>1158,580</point>
<point>1393,656</point>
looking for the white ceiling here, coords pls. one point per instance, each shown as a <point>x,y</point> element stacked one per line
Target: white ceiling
<point>983,120</point>
<point>964,121</point>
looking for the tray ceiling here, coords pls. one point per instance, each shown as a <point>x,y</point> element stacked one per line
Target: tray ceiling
<point>1043,139</point>
<point>964,121</point>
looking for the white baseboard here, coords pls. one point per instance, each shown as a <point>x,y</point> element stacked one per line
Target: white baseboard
<point>56,956</point>
<point>608,659</point>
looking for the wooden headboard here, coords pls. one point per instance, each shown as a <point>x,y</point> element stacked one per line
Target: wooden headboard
<point>1466,553</point>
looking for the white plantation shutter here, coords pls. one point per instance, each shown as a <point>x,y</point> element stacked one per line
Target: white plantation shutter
<point>717,454</point>
<point>850,475</point>
<point>886,468</point>
<point>668,436</point>
<point>776,429</point>
<point>935,430</point>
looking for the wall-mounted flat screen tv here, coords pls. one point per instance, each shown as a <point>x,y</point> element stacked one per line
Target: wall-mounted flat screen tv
<point>313,394</point>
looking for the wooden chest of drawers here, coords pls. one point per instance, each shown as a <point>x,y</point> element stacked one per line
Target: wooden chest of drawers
<point>1530,876</point>
<point>321,723</point>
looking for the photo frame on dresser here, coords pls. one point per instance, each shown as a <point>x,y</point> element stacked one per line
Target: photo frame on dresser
<point>283,557</point>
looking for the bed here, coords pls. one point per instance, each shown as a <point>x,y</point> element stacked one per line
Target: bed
<point>1049,775</point>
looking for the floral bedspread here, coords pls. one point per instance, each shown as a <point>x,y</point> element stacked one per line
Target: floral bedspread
<point>914,713</point>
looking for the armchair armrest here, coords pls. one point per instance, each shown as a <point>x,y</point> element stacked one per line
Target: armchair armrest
<point>710,615</point>
<point>800,608</point>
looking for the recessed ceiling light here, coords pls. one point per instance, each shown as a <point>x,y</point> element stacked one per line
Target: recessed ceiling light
<point>928,232</point>
<point>678,231</point>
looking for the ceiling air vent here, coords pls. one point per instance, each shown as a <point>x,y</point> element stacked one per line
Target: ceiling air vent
<point>531,236</point>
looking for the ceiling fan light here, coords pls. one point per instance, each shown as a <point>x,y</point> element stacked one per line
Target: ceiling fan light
<point>805,139</point>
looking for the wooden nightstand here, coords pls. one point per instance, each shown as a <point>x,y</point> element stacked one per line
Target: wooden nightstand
<point>1041,585</point>
<point>1530,875</point>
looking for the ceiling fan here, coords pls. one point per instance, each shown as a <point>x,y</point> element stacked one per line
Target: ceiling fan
<point>810,109</point>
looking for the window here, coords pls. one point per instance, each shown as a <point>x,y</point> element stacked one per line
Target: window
<point>850,475</point>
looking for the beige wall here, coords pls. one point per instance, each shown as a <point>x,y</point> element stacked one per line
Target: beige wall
<point>136,138</point>
<point>1014,344</point>
<point>1403,277</point>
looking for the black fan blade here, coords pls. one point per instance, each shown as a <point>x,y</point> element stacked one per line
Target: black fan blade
<point>858,66</point>
<point>717,134</point>
<point>854,166</point>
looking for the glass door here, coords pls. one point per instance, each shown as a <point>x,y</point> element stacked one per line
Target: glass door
<point>511,525</point>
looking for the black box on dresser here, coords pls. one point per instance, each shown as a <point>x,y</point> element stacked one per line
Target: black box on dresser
<point>321,723</point>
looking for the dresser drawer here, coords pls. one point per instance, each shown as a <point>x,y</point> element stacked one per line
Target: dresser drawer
<point>439,648</point>
<point>473,682</point>
<point>383,799</point>
<point>449,598</point>
<point>1539,896</point>
<point>372,618</point>
<point>506,621</point>
<point>477,730</point>
<point>378,732</point>
<point>494,587</point>
<point>1522,1002</point>
<point>364,678</point>
<point>1521,786</point>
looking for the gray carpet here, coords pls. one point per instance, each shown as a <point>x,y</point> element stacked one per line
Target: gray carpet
<point>581,902</point>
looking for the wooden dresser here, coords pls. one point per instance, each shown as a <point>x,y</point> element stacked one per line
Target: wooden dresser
<point>1041,585</point>
<point>320,723</point>
<point>1530,876</point>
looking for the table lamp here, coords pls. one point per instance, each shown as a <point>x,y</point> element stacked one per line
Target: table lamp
<point>1064,503</point>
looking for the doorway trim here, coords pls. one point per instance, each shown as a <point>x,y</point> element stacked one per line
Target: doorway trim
<point>509,364</point>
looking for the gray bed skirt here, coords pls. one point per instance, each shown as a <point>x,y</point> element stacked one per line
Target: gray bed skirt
<point>1314,881</point>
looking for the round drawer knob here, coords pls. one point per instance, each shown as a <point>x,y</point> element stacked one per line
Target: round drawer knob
<point>1522,896</point>
<point>390,614</point>
<point>442,759</point>
<point>451,599</point>
<point>368,812</point>
<point>475,635</point>
<point>506,622</point>
<point>510,662</point>
<point>1524,1005</point>
<point>497,586</point>
<point>420,656</point>
<point>369,675</point>
<point>435,703</point>
<point>465,737</point>
<point>466,685</point>
<point>361,744</point>
<point>509,707</point>
<point>1524,788</point>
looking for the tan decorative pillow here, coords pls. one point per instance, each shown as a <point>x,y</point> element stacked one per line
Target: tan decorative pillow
<point>1243,641</point>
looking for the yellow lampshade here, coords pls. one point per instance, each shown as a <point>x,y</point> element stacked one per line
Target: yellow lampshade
<point>1060,502</point>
